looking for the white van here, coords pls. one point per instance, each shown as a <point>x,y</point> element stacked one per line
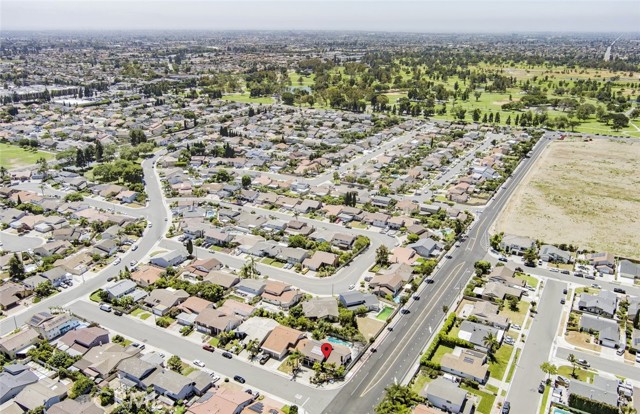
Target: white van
<point>105,307</point>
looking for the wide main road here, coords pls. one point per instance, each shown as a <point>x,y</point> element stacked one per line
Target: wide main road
<point>155,213</point>
<point>403,346</point>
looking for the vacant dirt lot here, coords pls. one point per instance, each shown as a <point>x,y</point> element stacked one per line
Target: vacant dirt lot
<point>581,193</point>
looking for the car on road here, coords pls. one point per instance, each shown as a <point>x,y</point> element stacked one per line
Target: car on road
<point>105,307</point>
<point>578,274</point>
<point>583,363</point>
<point>264,358</point>
<point>134,247</point>
<point>565,272</point>
<point>564,291</point>
<point>111,278</point>
<point>227,355</point>
<point>351,287</point>
<point>117,312</point>
<point>430,281</point>
<point>541,387</point>
<point>133,263</point>
<point>509,340</point>
<point>596,286</point>
<point>117,261</point>
<point>405,311</point>
<point>554,270</point>
<point>448,256</point>
<point>198,363</point>
<point>502,259</point>
<point>516,327</point>
<point>166,219</point>
<point>620,351</point>
<point>562,301</point>
<point>150,225</point>
<point>506,407</point>
<point>619,290</point>
<point>416,297</point>
<point>239,379</point>
<point>208,347</point>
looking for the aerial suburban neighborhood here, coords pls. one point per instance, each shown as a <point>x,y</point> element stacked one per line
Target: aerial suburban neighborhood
<point>282,222</point>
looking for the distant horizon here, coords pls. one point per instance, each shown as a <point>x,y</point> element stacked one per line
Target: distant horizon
<point>404,16</point>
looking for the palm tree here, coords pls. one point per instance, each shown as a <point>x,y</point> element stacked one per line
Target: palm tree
<point>549,369</point>
<point>3,172</point>
<point>573,361</point>
<point>248,270</point>
<point>491,343</point>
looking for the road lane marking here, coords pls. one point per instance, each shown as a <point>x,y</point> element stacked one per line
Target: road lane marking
<point>420,320</point>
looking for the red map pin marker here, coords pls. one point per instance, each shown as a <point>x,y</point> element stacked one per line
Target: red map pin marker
<point>326,349</point>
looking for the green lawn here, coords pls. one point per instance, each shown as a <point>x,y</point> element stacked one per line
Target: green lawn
<point>12,156</point>
<point>245,98</point>
<point>512,369</point>
<point>516,317</point>
<point>582,374</point>
<point>486,402</point>
<point>531,281</point>
<point>95,296</point>
<point>145,316</point>
<point>499,366</point>
<point>440,352</point>
<point>137,312</point>
<point>306,80</point>
<point>420,381</point>
<point>386,312</point>
<point>214,342</point>
<point>545,397</point>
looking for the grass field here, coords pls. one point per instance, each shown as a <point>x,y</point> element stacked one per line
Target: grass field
<point>512,369</point>
<point>498,367</point>
<point>12,156</point>
<point>486,402</point>
<point>245,98</point>
<point>420,381</point>
<point>580,193</point>
<point>582,374</point>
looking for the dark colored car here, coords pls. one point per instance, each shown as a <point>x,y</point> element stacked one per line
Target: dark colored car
<point>239,379</point>
<point>430,281</point>
<point>207,347</point>
<point>506,407</point>
<point>416,297</point>
<point>404,311</point>
<point>564,291</point>
<point>264,358</point>
<point>541,387</point>
<point>117,312</point>
<point>227,355</point>
<point>619,290</point>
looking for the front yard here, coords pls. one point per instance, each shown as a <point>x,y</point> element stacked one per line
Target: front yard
<point>582,374</point>
<point>498,367</point>
<point>486,399</point>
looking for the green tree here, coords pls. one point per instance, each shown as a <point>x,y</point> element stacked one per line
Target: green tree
<point>491,343</point>
<point>549,369</point>
<point>618,121</point>
<point>16,268</point>
<point>107,396</point>
<point>99,151</point>
<point>477,95</point>
<point>574,364</point>
<point>514,304</point>
<point>382,255</point>
<point>530,256</point>
<point>175,363</point>
<point>246,181</point>
<point>44,289</point>
<point>636,320</point>
<point>136,136</point>
<point>43,167</point>
<point>82,385</point>
<point>80,160</point>
<point>398,399</point>
<point>190,247</point>
<point>482,267</point>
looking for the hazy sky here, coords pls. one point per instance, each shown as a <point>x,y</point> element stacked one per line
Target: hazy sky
<point>414,16</point>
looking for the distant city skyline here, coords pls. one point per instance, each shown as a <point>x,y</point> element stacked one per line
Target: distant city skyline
<point>469,16</point>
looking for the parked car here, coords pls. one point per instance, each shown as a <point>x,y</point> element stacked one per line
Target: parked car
<point>565,272</point>
<point>596,286</point>
<point>619,290</point>
<point>502,259</point>
<point>198,363</point>
<point>117,312</point>
<point>448,256</point>
<point>208,347</point>
<point>620,351</point>
<point>105,307</point>
<point>416,297</point>
<point>564,291</point>
<point>117,261</point>
<point>583,363</point>
<point>541,387</point>
<point>563,301</point>
<point>111,278</point>
<point>134,247</point>
<point>227,355</point>
<point>516,327</point>
<point>405,311</point>
<point>239,379</point>
<point>351,287</point>
<point>264,358</point>
<point>554,270</point>
<point>506,407</point>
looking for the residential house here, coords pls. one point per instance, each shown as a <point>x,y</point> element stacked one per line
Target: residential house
<point>164,260</point>
<point>498,291</point>
<point>224,279</point>
<point>487,313</point>
<point>343,241</point>
<point>216,237</point>
<point>52,326</point>
<point>160,301</point>
<point>70,406</point>
<point>136,371</point>
<point>354,299</point>
<point>16,344</point>
<point>604,303</point>
<point>11,294</point>
<point>426,247</point>
<point>445,395</point>
<point>320,259</point>
<point>607,329</point>
<point>292,255</point>
<point>223,401</point>
<point>311,351</point>
<point>516,244</point>
<point>45,392</point>
<point>146,275</point>
<point>171,384</point>
<point>466,364</point>
<point>404,255</point>
<point>376,219</point>
<point>56,275</point>
<point>120,289</point>
<point>281,294</point>
<point>604,262</point>
<point>251,287</point>
<point>281,340</point>
<point>213,321</point>
<point>506,276</point>
<point>256,329</point>
<point>202,267</point>
<point>475,333</point>
<point>628,269</point>
<point>602,390</point>
<point>552,254</point>
<point>13,379</point>
<point>321,308</point>
<point>80,340</point>
<point>101,361</point>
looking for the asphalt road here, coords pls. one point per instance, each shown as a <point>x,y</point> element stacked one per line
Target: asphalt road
<point>155,213</point>
<point>398,352</point>
<point>15,243</point>
<point>523,393</point>
<point>630,371</point>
